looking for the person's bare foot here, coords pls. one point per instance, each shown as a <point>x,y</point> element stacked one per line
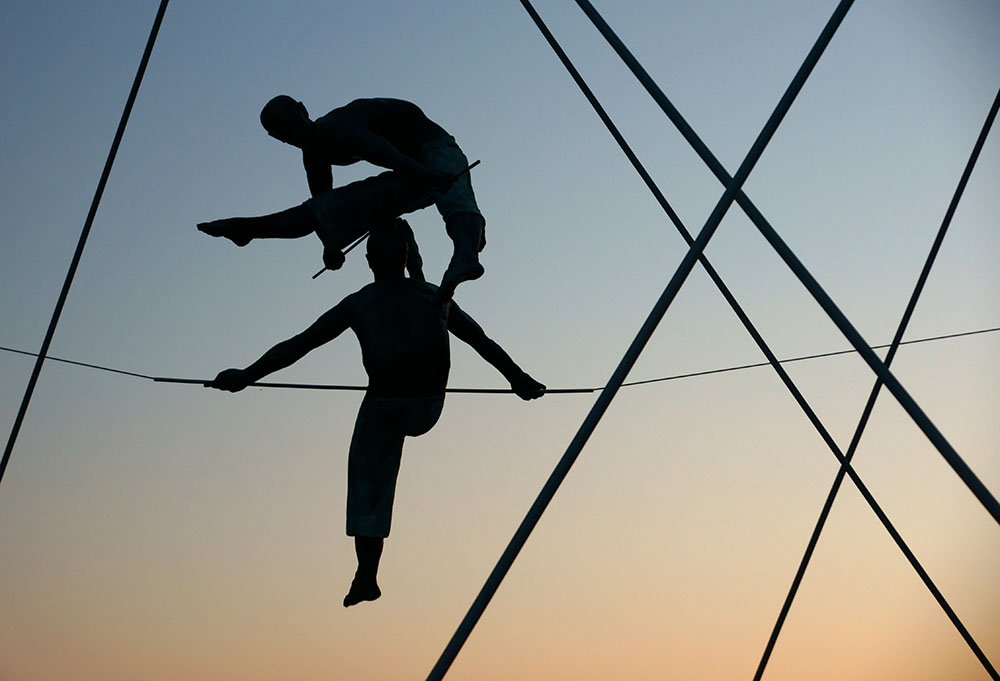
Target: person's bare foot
<point>468,233</point>
<point>459,270</point>
<point>224,228</point>
<point>361,590</point>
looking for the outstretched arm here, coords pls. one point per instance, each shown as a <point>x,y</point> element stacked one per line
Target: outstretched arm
<point>287,352</point>
<point>466,329</point>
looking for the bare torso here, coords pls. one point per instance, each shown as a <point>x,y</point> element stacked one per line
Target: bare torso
<point>403,332</point>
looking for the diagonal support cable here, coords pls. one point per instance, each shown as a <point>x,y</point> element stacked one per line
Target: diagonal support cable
<point>88,223</point>
<point>905,400</point>
<point>632,354</point>
<point>863,422</point>
<point>845,469</point>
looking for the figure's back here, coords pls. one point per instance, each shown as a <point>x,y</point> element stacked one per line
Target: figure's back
<point>401,122</point>
<point>403,332</point>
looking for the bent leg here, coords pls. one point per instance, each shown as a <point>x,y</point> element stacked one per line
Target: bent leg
<point>372,468</point>
<point>467,233</point>
<point>463,220</point>
<point>347,213</point>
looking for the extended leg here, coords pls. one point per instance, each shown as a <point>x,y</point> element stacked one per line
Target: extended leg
<point>364,587</point>
<point>287,224</point>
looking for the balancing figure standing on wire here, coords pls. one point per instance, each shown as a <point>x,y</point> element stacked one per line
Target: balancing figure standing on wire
<point>393,134</point>
<point>402,325</point>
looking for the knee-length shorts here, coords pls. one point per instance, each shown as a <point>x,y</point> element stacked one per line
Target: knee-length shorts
<point>444,154</point>
<point>374,457</point>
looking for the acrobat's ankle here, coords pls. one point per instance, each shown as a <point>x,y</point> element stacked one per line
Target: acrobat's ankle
<point>362,589</point>
<point>225,228</point>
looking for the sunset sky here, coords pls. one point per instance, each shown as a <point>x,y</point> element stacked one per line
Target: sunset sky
<point>159,531</point>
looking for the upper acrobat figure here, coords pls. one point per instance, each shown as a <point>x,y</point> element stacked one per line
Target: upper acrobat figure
<point>393,134</point>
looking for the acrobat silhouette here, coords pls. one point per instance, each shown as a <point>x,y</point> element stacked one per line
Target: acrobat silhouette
<point>393,134</point>
<point>337,216</point>
<point>402,325</point>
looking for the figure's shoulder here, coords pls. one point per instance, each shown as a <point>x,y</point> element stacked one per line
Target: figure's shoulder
<point>352,302</point>
<point>420,284</point>
<point>354,110</point>
<point>375,106</point>
<point>408,288</point>
<point>360,296</point>
<point>401,288</point>
<point>371,111</point>
<point>423,288</point>
<point>393,101</point>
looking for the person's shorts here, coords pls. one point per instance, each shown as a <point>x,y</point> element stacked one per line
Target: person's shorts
<point>444,154</point>
<point>373,460</point>
<point>346,213</point>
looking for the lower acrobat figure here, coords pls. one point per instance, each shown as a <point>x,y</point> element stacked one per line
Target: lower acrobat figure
<point>403,326</point>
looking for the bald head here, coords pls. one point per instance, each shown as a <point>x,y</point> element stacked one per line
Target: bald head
<point>286,119</point>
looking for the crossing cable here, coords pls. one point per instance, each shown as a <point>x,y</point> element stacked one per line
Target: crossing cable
<point>627,384</point>
<point>905,400</point>
<point>845,468</point>
<point>863,422</point>
<point>632,354</point>
<point>112,153</point>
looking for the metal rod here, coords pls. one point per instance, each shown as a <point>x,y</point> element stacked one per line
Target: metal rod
<point>897,341</point>
<point>774,362</point>
<point>628,361</point>
<point>921,419</point>
<point>88,223</point>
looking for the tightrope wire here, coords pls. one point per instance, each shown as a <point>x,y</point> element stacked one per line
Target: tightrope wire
<point>491,391</point>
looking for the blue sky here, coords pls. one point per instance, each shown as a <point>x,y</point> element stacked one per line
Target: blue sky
<point>203,532</point>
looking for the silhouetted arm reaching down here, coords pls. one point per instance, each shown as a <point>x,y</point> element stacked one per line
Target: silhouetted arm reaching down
<point>466,329</point>
<point>326,328</point>
<point>319,174</point>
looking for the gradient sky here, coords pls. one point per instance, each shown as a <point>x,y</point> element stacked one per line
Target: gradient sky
<point>166,531</point>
